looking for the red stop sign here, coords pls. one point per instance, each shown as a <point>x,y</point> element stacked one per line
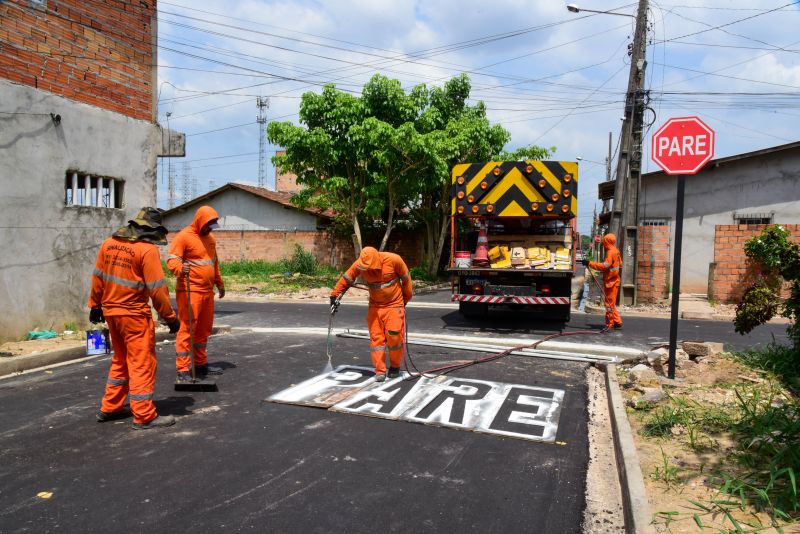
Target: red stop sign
<point>683,145</point>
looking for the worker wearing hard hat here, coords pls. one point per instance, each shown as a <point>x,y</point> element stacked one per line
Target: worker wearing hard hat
<point>127,273</point>
<point>390,288</point>
<point>611,279</point>
<point>193,260</point>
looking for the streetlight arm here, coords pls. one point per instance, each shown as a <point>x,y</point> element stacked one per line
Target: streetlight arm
<point>575,9</point>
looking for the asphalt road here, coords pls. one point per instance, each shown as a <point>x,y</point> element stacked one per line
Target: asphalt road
<point>236,463</point>
<point>433,313</point>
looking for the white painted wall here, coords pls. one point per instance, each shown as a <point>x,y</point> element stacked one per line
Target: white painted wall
<point>48,249</point>
<point>760,184</point>
<point>240,210</point>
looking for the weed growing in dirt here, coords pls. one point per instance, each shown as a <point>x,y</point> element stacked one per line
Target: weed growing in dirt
<point>666,472</point>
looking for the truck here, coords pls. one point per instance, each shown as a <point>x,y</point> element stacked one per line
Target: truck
<point>513,232</point>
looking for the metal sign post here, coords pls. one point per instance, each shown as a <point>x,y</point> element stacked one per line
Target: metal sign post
<point>683,145</point>
<point>676,277</point>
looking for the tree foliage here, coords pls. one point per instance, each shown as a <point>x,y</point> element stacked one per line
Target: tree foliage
<point>389,151</point>
<point>779,260</point>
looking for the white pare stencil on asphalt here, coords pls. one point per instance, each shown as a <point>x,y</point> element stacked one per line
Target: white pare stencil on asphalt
<point>526,412</point>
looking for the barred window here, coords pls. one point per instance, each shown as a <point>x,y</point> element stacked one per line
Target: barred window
<point>655,222</point>
<point>752,218</point>
<point>82,189</point>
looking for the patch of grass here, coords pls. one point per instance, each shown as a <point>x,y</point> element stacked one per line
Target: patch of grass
<point>666,472</point>
<point>782,361</point>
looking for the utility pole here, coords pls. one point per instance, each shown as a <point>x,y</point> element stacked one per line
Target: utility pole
<point>262,104</point>
<point>625,215</point>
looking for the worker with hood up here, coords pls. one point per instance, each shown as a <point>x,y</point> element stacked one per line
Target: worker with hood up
<point>193,260</point>
<point>611,279</point>
<point>390,288</point>
<point>127,273</point>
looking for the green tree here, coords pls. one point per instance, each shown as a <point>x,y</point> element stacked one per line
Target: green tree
<point>389,151</point>
<point>779,262</point>
<point>328,162</point>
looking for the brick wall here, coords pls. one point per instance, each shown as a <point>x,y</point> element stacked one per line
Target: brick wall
<point>730,274</point>
<point>653,267</point>
<point>286,181</point>
<point>277,245</point>
<point>98,52</point>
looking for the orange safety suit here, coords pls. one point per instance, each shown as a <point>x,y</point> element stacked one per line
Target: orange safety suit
<point>200,252</point>
<point>126,274</point>
<point>611,279</point>
<point>390,288</point>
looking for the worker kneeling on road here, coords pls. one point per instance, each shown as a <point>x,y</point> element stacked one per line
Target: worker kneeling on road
<point>611,279</point>
<point>390,288</point>
<point>193,259</point>
<point>128,272</point>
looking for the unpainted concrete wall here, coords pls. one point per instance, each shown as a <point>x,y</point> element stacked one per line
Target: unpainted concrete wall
<point>49,249</point>
<point>761,184</point>
<point>239,210</point>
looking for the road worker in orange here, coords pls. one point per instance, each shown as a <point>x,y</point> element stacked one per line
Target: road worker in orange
<point>611,280</point>
<point>193,259</point>
<point>127,273</point>
<point>390,288</point>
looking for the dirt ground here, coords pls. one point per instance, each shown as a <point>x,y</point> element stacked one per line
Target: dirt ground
<point>711,383</point>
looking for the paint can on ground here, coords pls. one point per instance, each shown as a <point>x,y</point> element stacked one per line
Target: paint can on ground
<point>463,259</point>
<point>97,342</point>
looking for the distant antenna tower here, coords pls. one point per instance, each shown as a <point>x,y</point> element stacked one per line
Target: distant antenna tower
<point>170,177</point>
<point>189,186</point>
<point>262,104</point>
<point>171,187</point>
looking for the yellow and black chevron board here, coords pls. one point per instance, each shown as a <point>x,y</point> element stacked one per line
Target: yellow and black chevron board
<point>515,189</point>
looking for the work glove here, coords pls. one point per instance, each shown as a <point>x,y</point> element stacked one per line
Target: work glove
<point>96,315</point>
<point>174,326</point>
<point>585,262</point>
<point>221,290</point>
<point>334,305</point>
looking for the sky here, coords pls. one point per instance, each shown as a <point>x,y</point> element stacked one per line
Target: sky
<point>549,76</point>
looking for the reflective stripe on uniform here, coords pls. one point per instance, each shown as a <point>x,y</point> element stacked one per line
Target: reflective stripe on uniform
<point>179,354</point>
<point>384,285</point>
<point>382,348</point>
<point>155,284</point>
<point>613,269</point>
<point>347,279</point>
<point>606,265</point>
<point>199,345</point>
<point>117,280</point>
<point>193,262</point>
<point>396,347</point>
<point>117,381</point>
<point>140,396</point>
<point>405,277</point>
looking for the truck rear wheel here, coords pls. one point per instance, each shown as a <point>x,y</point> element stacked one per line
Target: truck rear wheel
<point>473,309</point>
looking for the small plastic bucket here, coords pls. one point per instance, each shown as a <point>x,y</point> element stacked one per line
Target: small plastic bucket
<point>97,342</point>
<point>463,259</point>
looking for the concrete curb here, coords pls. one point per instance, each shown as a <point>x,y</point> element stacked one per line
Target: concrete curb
<point>19,364</point>
<point>634,497</point>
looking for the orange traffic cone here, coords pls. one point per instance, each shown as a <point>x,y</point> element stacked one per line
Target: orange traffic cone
<point>481,258</point>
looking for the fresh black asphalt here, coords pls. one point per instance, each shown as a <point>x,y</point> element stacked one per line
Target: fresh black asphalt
<point>235,463</point>
<point>639,332</point>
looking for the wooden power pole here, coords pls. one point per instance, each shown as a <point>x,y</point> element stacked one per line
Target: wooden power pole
<point>625,214</point>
